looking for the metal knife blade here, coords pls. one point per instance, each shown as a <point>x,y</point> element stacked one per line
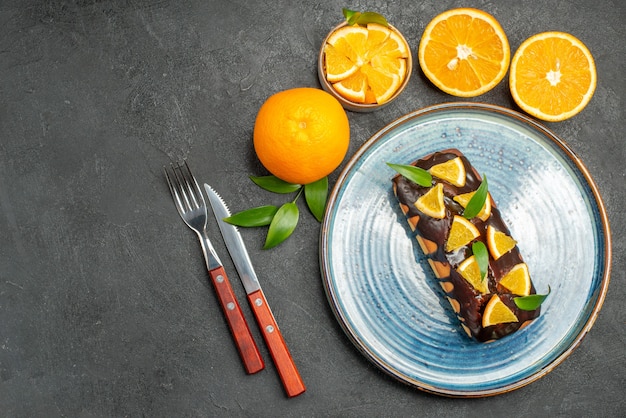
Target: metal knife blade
<point>287,370</point>
<point>234,242</point>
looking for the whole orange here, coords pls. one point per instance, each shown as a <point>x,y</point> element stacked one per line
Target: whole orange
<point>301,135</point>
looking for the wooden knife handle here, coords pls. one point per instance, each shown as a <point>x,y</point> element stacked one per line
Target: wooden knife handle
<point>248,350</point>
<point>289,375</point>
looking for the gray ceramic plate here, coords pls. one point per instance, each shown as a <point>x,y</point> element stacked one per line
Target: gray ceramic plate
<point>383,292</point>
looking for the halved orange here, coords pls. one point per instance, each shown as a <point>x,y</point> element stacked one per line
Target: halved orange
<point>462,232</point>
<point>452,171</point>
<point>464,52</point>
<point>431,203</point>
<point>498,242</point>
<point>470,271</point>
<point>553,76</point>
<point>517,280</point>
<point>496,312</point>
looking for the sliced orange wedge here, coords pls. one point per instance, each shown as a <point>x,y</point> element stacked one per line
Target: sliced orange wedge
<point>431,203</point>
<point>496,312</point>
<point>462,232</point>
<point>464,198</point>
<point>470,271</point>
<point>353,88</point>
<point>452,171</point>
<point>366,64</point>
<point>338,65</point>
<point>382,83</point>
<point>517,280</point>
<point>498,242</point>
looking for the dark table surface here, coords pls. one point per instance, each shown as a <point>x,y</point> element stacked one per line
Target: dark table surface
<point>105,306</point>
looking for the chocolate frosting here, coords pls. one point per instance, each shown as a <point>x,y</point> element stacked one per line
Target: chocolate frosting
<point>467,302</point>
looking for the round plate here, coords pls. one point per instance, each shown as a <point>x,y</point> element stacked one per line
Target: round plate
<point>383,292</point>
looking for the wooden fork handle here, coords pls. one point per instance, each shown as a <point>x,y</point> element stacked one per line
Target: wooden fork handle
<point>289,375</point>
<point>248,350</point>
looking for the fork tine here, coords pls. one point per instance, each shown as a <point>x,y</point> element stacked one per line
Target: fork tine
<point>181,187</point>
<point>185,187</point>
<point>172,182</point>
<point>192,185</point>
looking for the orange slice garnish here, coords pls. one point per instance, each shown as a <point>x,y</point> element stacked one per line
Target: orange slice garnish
<point>462,232</point>
<point>470,271</point>
<point>464,198</point>
<point>452,171</point>
<point>431,203</point>
<point>498,242</point>
<point>517,280</point>
<point>496,312</point>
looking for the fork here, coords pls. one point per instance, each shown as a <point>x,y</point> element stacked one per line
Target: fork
<point>192,209</point>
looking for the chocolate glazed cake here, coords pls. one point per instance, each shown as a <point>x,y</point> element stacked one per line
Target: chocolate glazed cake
<point>468,298</point>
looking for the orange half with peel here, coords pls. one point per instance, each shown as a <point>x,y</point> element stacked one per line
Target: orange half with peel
<point>553,76</point>
<point>464,52</point>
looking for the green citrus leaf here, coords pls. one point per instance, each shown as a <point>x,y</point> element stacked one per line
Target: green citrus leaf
<point>260,216</point>
<point>530,302</point>
<point>274,184</point>
<point>415,174</point>
<point>316,194</point>
<point>358,18</point>
<point>282,225</point>
<point>482,258</point>
<point>372,17</point>
<point>349,15</point>
<point>476,203</point>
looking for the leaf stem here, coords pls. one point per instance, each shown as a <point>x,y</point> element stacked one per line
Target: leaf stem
<point>298,195</point>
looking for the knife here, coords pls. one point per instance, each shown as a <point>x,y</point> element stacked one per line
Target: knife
<point>289,375</point>
<point>185,190</point>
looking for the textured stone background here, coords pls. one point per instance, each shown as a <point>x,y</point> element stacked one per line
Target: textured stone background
<point>105,308</point>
